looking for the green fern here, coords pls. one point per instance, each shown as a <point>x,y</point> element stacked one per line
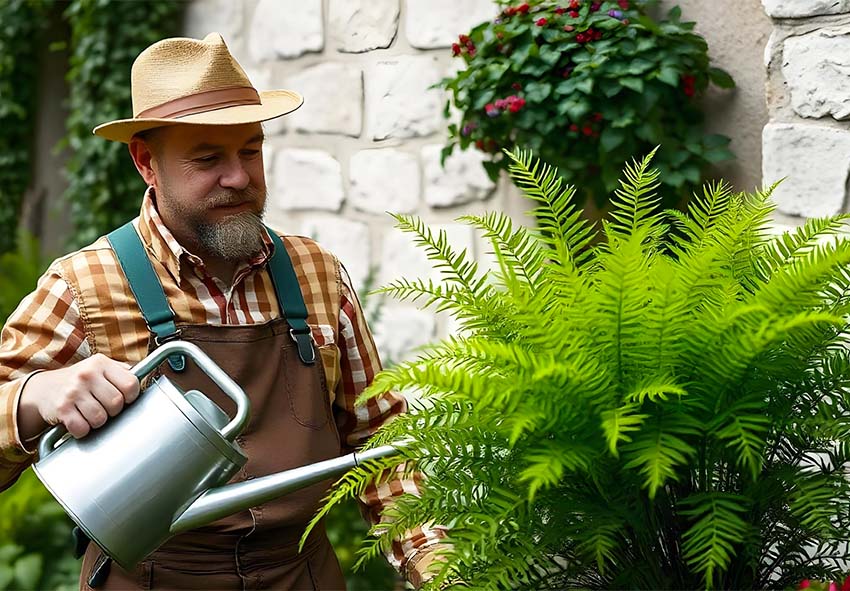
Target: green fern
<point>659,403</point>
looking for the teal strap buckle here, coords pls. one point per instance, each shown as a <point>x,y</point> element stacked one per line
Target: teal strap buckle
<point>304,340</point>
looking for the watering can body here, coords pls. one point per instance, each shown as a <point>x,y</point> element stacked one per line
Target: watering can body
<point>161,466</point>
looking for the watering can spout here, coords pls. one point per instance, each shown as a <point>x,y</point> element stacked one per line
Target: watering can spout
<point>220,502</point>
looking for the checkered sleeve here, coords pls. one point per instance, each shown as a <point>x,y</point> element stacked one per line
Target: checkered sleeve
<point>45,332</point>
<point>359,363</point>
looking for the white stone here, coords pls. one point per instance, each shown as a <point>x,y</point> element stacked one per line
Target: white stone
<point>816,68</point>
<point>437,23</point>
<point>347,239</point>
<point>384,180</point>
<point>804,8</point>
<point>399,102</point>
<point>362,25</point>
<point>333,99</point>
<point>285,29</point>
<point>463,180</point>
<point>401,330</point>
<point>815,159</point>
<point>307,179</point>
<point>213,16</point>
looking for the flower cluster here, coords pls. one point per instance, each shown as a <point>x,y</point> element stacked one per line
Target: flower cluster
<point>511,103</point>
<point>539,75</point>
<point>465,44</point>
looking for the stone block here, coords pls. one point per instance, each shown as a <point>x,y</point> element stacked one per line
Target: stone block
<point>462,181</point>
<point>356,26</point>
<point>401,330</point>
<point>816,67</point>
<point>285,29</point>
<point>384,180</point>
<point>804,8</point>
<point>399,102</point>
<point>814,160</point>
<point>220,16</point>
<point>333,100</point>
<point>437,23</point>
<point>347,239</point>
<point>307,179</point>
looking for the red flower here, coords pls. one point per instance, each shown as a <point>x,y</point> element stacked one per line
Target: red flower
<point>625,21</point>
<point>455,49</point>
<point>624,4</point>
<point>845,586</point>
<point>569,28</point>
<point>597,117</point>
<point>463,39</point>
<point>510,11</point>
<point>479,144</point>
<point>574,13</point>
<point>541,22</point>
<point>574,5</point>
<point>573,127</point>
<point>581,38</point>
<point>518,86</point>
<point>595,6</point>
<point>523,8</point>
<point>597,35</point>
<point>471,52</point>
<point>688,84</point>
<point>804,584</point>
<point>587,130</point>
<point>560,10</point>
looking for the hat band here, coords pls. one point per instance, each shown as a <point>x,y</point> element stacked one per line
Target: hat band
<point>202,102</point>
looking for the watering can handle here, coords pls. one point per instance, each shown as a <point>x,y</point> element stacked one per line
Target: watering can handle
<point>150,363</point>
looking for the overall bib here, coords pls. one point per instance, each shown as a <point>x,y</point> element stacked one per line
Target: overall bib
<point>291,425</point>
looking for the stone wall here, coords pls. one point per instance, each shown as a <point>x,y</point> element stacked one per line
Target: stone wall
<point>807,141</point>
<point>368,138</point>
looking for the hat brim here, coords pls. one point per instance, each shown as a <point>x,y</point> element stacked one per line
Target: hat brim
<point>273,103</point>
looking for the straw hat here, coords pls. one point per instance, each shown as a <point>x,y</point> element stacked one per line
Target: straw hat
<point>184,80</point>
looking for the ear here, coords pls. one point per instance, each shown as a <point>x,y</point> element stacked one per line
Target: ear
<point>142,156</point>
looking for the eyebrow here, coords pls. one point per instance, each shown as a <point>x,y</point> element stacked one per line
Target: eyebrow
<point>205,147</point>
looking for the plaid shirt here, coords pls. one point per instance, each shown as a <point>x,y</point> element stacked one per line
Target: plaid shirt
<point>82,306</point>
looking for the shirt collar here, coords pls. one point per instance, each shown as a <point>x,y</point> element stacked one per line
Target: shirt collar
<point>164,246</point>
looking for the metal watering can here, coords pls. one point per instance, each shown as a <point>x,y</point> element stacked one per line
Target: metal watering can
<point>161,466</point>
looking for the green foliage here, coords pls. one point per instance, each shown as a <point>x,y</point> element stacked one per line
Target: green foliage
<point>19,272</point>
<point>19,39</point>
<point>660,402</point>
<point>586,85</point>
<point>106,36</point>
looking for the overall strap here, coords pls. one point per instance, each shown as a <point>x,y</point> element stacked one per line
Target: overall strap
<point>145,285</point>
<point>290,299</point>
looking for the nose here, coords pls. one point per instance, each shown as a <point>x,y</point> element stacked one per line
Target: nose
<point>234,176</point>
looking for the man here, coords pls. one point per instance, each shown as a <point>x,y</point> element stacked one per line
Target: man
<point>65,353</point>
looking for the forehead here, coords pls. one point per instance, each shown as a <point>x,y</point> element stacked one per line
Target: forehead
<point>188,137</point>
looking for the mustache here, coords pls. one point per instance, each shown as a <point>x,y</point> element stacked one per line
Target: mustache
<point>225,197</point>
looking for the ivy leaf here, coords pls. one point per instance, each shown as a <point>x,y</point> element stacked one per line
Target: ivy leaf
<point>611,138</point>
<point>632,82</point>
<point>669,75</point>
<point>537,91</point>
<point>720,78</point>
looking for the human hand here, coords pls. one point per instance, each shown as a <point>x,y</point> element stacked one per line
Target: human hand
<point>81,397</point>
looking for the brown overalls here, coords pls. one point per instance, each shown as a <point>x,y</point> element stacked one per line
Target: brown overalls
<point>291,425</point>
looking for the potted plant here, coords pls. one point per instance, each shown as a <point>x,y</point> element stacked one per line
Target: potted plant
<point>659,403</point>
<point>586,84</point>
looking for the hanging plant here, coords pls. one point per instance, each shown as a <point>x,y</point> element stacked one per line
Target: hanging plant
<point>586,84</point>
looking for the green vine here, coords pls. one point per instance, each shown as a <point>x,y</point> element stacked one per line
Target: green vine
<point>106,36</point>
<point>19,36</point>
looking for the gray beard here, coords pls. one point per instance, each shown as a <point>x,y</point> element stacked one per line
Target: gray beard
<point>237,238</point>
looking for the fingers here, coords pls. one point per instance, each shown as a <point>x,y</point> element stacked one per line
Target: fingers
<point>127,384</point>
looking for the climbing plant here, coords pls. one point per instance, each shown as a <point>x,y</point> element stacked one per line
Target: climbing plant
<point>19,37</point>
<point>104,189</point>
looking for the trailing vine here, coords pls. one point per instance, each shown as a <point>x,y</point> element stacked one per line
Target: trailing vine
<point>19,37</point>
<point>104,189</point>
